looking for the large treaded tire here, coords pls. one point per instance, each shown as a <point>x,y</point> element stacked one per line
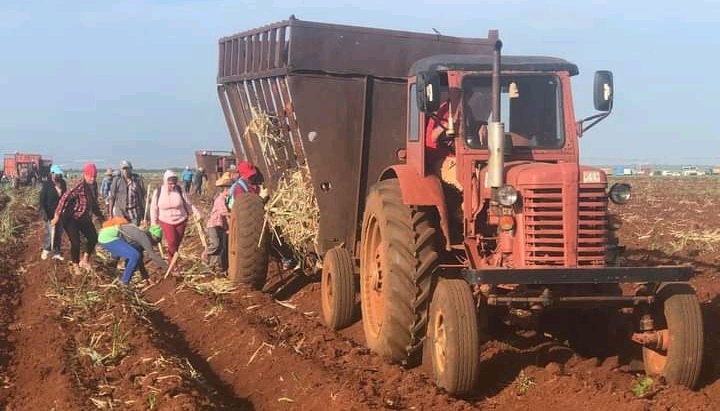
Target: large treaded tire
<point>247,254</point>
<point>678,311</point>
<point>398,255</point>
<point>337,288</point>
<point>453,337</point>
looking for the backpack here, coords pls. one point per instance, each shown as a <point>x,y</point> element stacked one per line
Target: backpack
<point>182,195</point>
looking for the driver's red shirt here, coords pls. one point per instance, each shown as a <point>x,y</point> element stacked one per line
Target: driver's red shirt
<point>437,149</point>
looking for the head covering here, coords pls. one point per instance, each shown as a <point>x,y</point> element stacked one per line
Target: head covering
<point>168,175</point>
<point>155,231</point>
<point>224,181</point>
<point>187,167</point>
<point>90,170</point>
<point>126,164</point>
<point>232,167</point>
<point>55,169</point>
<point>246,169</point>
<point>109,172</point>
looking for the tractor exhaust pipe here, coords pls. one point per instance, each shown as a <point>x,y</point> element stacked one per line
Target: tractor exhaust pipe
<point>496,129</point>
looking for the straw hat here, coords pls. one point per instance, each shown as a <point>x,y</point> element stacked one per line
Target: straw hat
<point>224,181</point>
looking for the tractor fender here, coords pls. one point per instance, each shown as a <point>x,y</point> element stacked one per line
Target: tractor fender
<point>421,191</point>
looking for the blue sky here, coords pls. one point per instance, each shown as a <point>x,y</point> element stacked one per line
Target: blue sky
<point>136,78</point>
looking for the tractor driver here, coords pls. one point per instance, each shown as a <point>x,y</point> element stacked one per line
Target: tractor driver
<point>440,150</point>
<point>439,145</point>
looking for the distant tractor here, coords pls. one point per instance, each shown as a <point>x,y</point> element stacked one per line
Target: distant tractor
<point>214,163</point>
<point>513,233</point>
<point>24,169</point>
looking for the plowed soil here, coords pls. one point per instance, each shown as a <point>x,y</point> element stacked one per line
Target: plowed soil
<point>81,342</point>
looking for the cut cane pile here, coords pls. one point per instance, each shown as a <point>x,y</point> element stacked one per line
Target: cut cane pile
<point>292,211</point>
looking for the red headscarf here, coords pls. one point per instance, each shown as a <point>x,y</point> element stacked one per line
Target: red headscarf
<point>90,170</point>
<point>246,169</point>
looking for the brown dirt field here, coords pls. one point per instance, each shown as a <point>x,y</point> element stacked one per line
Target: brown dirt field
<point>180,346</point>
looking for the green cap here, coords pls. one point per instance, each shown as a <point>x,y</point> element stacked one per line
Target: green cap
<point>155,231</point>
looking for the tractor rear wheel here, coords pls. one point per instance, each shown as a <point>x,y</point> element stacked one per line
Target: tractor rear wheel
<point>679,320</point>
<point>397,257</point>
<point>249,242</point>
<point>337,288</point>
<point>453,337</point>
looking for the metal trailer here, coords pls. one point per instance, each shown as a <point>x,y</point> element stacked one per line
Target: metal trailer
<point>341,94</point>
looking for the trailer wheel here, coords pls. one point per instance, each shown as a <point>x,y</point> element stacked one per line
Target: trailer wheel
<point>453,337</point>
<point>247,252</point>
<point>677,313</point>
<point>337,288</point>
<point>397,257</point>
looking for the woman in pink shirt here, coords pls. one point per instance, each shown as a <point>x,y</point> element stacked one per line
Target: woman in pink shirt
<point>170,208</point>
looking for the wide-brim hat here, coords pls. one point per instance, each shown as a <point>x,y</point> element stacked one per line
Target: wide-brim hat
<point>224,181</point>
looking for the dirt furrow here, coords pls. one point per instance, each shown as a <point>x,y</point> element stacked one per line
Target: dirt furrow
<point>274,354</point>
<point>35,341</point>
<point>81,342</point>
<point>252,353</point>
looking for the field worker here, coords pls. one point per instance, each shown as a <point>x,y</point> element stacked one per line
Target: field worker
<point>217,226</point>
<point>127,195</point>
<point>234,175</point>
<point>105,186</point>
<point>250,181</point>
<point>74,212</point>
<point>187,178</point>
<point>50,193</point>
<point>130,242</point>
<point>106,183</point>
<point>170,207</point>
<point>198,179</point>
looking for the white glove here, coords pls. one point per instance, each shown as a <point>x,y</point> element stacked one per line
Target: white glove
<point>264,193</point>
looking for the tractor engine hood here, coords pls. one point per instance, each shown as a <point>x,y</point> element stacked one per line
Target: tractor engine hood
<point>561,214</point>
<point>525,173</point>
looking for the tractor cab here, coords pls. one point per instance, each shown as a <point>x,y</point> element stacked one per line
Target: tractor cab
<point>514,190</point>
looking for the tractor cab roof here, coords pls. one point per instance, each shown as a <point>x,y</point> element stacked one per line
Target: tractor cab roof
<point>465,62</point>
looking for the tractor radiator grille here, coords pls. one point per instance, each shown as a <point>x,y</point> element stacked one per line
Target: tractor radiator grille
<point>545,228</point>
<point>592,225</point>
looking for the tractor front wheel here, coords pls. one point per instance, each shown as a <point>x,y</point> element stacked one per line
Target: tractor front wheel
<point>678,321</point>
<point>453,337</point>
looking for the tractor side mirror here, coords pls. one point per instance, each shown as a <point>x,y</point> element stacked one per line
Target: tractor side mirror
<point>603,90</point>
<point>428,91</point>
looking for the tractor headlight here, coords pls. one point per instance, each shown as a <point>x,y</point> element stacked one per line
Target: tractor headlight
<point>620,193</point>
<point>507,195</point>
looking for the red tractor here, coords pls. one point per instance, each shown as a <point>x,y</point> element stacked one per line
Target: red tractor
<point>214,163</point>
<point>24,169</point>
<point>509,230</point>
